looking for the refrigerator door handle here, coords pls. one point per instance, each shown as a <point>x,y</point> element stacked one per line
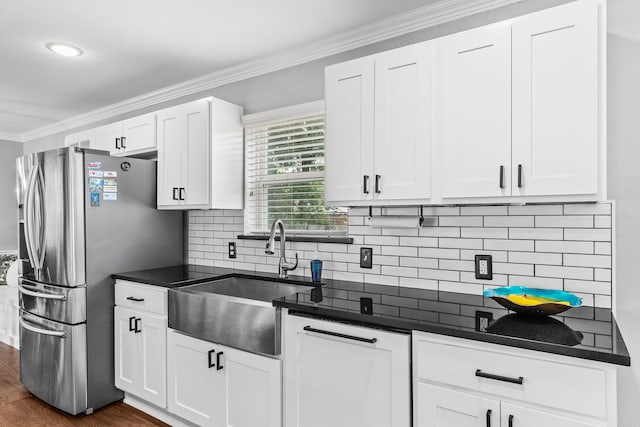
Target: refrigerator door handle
<point>28,217</point>
<point>26,291</point>
<point>50,332</point>
<point>40,218</point>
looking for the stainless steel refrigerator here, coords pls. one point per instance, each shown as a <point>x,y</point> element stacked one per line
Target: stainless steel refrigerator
<point>82,216</point>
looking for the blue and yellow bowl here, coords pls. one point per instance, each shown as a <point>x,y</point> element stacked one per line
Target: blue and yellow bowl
<point>533,301</point>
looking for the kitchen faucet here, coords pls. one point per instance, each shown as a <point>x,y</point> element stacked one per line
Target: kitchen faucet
<point>283,266</point>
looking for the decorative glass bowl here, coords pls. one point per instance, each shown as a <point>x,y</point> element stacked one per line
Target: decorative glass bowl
<point>533,301</point>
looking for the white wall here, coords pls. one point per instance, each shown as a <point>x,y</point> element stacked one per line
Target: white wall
<point>9,151</point>
<point>624,187</point>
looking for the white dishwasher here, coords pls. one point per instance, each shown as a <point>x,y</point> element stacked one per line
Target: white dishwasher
<point>342,375</point>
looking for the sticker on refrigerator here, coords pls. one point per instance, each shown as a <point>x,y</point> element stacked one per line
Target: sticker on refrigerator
<point>110,181</point>
<point>95,174</point>
<point>110,174</point>
<point>95,199</point>
<point>94,165</point>
<point>110,196</point>
<point>110,188</point>
<point>95,185</point>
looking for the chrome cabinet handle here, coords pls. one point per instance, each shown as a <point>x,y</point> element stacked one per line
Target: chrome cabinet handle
<point>481,374</point>
<point>132,323</point>
<point>135,324</point>
<point>59,334</point>
<point>181,192</point>
<point>26,291</point>
<point>339,335</point>
<point>175,196</point>
<point>377,184</point>
<point>117,141</point>
<point>123,140</point>
<point>209,354</point>
<point>365,184</point>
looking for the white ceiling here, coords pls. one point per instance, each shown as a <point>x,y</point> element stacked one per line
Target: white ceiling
<point>132,47</point>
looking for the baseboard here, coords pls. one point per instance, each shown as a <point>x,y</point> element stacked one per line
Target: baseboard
<point>159,413</point>
<point>12,341</point>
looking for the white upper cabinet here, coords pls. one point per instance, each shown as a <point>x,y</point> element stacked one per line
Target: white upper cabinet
<point>378,127</point>
<point>403,123</point>
<point>84,139</point>
<point>475,112</point>
<point>200,155</point>
<point>507,113</point>
<point>349,117</point>
<point>138,134</point>
<point>556,98</point>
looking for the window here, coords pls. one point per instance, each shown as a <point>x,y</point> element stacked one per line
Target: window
<point>285,179</point>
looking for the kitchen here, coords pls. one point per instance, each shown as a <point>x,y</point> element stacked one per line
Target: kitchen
<point>440,253</point>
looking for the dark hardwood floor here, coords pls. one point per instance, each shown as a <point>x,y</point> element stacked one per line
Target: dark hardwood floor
<point>19,408</point>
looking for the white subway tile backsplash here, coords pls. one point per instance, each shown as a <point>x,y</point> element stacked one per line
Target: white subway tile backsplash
<point>552,246</point>
<point>460,221</point>
<point>508,221</point>
<point>565,247</point>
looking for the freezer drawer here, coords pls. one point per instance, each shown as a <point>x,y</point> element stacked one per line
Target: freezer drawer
<point>57,303</point>
<point>53,362</point>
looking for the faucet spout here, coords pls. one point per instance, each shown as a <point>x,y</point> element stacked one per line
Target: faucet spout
<point>284,266</point>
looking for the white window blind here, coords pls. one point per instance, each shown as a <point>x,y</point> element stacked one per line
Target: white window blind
<point>285,179</point>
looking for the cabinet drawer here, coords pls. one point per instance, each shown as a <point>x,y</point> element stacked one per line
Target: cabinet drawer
<point>559,384</point>
<point>141,297</point>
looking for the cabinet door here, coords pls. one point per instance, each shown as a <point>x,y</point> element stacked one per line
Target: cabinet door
<point>475,112</point>
<point>251,392</point>
<point>341,381</point>
<point>442,407</point>
<point>196,167</point>
<point>109,138</point>
<point>171,150</point>
<point>555,101</point>
<point>128,352</point>
<point>403,122</point>
<point>349,116</point>
<point>84,139</point>
<point>191,382</point>
<point>153,354</point>
<point>139,134</point>
<point>518,416</point>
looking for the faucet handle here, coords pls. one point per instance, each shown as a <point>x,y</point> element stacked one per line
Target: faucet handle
<point>287,266</point>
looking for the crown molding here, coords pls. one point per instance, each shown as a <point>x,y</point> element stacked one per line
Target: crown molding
<point>397,25</point>
<point>286,113</point>
<point>13,137</point>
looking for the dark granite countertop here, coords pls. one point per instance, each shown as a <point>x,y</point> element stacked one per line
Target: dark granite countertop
<point>583,332</point>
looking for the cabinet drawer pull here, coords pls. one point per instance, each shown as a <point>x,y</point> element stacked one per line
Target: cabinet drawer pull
<point>501,176</point>
<point>519,176</point>
<point>123,139</point>
<point>365,184</point>
<point>219,367</point>
<point>137,325</point>
<point>181,192</point>
<point>131,323</point>
<point>481,374</point>
<point>175,196</point>
<point>377,184</point>
<point>488,417</point>
<point>510,420</point>
<point>136,299</point>
<point>117,143</point>
<point>211,364</point>
<point>339,335</point>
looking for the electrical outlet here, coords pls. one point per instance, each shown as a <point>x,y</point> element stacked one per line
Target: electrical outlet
<point>366,305</point>
<point>483,320</point>
<point>366,258</point>
<point>232,250</point>
<point>484,267</point>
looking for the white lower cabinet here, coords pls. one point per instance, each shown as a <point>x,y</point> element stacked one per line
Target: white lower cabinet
<point>214,385</point>
<point>460,383</point>
<point>345,376</point>
<point>140,356</point>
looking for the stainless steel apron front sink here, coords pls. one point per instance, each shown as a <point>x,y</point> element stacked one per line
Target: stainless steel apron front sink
<point>234,311</point>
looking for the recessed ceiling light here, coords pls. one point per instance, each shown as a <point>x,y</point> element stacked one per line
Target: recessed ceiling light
<point>63,49</point>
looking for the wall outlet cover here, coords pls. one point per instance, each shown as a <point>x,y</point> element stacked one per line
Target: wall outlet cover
<point>484,267</point>
<point>366,305</point>
<point>232,250</point>
<point>483,320</point>
<point>366,257</point>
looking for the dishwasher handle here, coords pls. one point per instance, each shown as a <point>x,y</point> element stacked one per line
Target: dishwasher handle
<point>339,335</point>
